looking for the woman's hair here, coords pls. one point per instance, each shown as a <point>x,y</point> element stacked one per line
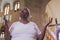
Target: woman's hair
<point>29,13</point>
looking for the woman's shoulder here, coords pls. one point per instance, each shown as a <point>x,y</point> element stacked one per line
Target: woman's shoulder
<point>15,22</point>
<point>33,23</point>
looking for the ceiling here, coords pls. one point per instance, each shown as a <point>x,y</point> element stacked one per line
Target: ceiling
<point>0,2</point>
<point>0,6</point>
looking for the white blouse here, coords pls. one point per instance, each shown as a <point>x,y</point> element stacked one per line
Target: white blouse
<point>20,31</point>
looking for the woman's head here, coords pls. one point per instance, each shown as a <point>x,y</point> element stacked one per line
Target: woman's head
<point>24,13</point>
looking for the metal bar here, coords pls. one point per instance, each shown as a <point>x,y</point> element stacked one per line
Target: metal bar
<point>54,24</point>
<point>56,21</point>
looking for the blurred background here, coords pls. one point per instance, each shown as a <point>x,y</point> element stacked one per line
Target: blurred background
<point>41,11</point>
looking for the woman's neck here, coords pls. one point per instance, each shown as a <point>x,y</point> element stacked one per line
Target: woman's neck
<point>25,21</point>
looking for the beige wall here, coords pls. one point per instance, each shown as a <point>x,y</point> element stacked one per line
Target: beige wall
<point>53,9</point>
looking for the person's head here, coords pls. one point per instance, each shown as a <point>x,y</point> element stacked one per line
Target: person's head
<point>24,13</point>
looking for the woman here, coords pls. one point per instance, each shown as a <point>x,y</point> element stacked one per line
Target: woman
<point>25,29</point>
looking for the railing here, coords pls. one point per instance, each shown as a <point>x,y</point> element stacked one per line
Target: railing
<point>50,35</point>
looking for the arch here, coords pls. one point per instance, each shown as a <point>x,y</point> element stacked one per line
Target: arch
<point>6,8</point>
<point>6,4</point>
<point>16,5</point>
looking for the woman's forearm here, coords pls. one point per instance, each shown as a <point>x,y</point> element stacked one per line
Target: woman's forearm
<point>41,37</point>
<point>44,30</point>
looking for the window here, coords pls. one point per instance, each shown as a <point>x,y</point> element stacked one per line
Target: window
<point>16,5</point>
<point>6,9</point>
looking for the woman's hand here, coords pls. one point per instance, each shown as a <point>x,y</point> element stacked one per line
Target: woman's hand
<point>41,37</point>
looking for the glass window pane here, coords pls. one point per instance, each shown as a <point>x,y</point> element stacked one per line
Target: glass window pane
<point>6,10</point>
<point>18,5</point>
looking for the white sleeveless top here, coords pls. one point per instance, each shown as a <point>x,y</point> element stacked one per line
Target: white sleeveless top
<point>20,31</point>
